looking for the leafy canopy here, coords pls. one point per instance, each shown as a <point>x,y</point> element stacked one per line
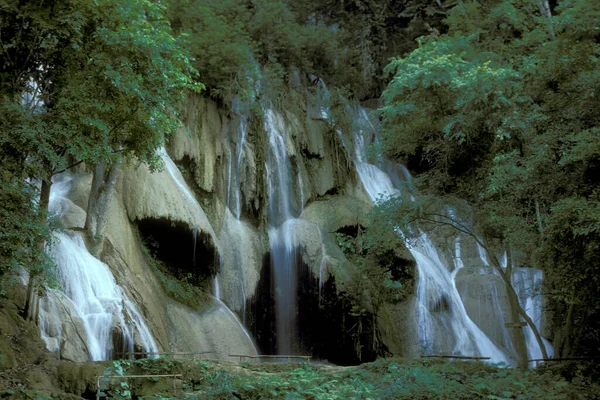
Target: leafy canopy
<point>502,111</point>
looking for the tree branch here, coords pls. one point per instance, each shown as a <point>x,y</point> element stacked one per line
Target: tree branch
<point>66,168</point>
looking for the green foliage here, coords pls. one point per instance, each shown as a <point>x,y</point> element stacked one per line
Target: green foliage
<point>81,81</point>
<point>382,272</point>
<point>369,32</point>
<point>345,242</point>
<point>381,276</point>
<point>236,42</point>
<point>383,379</point>
<point>452,104</point>
<point>246,49</point>
<point>502,111</point>
<point>111,385</point>
<point>19,226</point>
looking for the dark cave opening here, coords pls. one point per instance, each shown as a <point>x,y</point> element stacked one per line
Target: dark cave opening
<point>187,253</point>
<point>325,327</point>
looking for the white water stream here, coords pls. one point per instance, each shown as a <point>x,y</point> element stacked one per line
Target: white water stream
<point>528,283</point>
<point>443,323</point>
<point>88,289</point>
<point>282,239</point>
<point>235,165</point>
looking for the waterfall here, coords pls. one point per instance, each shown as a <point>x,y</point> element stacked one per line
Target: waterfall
<point>234,168</point>
<point>89,290</point>
<point>282,239</point>
<point>216,289</point>
<point>235,152</point>
<point>527,283</point>
<point>443,323</point>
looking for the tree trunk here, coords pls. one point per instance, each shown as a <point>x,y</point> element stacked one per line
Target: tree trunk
<point>103,185</point>
<point>31,308</point>
<point>514,300</point>
<point>517,333</point>
<point>544,7</point>
<point>568,343</point>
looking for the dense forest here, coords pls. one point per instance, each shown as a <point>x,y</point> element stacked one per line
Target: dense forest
<point>492,105</point>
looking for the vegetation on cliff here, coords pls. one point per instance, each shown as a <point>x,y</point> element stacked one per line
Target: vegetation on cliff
<point>502,111</point>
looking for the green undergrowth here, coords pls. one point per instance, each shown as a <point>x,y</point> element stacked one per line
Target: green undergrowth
<point>383,379</point>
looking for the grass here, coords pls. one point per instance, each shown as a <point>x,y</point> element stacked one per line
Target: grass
<point>384,379</point>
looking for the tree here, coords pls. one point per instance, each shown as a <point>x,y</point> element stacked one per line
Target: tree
<point>86,82</point>
<point>502,112</point>
<point>419,213</point>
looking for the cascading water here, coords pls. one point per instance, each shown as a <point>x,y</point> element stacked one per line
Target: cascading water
<point>88,288</point>
<point>282,239</point>
<point>234,204</point>
<point>527,283</point>
<point>444,324</point>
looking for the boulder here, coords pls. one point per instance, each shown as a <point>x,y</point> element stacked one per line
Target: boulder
<point>79,190</point>
<point>71,216</point>
<point>62,328</point>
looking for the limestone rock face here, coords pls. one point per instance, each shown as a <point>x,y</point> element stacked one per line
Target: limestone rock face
<point>162,195</point>
<point>123,254</point>
<point>79,190</point>
<point>397,324</point>
<point>71,215</point>
<point>79,378</point>
<point>329,215</point>
<point>242,260</point>
<point>486,301</point>
<point>336,212</point>
<point>72,349</point>
<point>66,333</point>
<point>315,131</point>
<point>200,139</point>
<point>215,330</point>
<point>20,341</point>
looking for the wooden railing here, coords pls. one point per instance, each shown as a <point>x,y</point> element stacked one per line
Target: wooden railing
<point>146,354</point>
<point>538,360</point>
<point>287,357</point>
<point>450,356</point>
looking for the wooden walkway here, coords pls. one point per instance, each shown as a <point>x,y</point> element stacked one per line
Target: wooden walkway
<point>173,354</point>
<point>536,360</point>
<point>457,357</point>
<point>286,357</point>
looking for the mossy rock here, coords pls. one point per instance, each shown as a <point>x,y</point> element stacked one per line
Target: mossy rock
<point>80,378</point>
